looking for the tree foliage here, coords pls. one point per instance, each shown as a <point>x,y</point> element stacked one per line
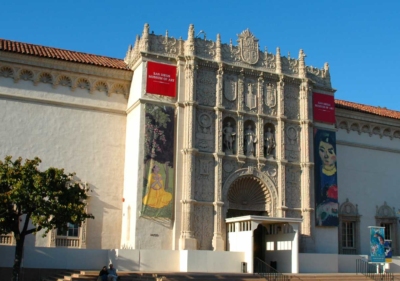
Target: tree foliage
<point>32,200</point>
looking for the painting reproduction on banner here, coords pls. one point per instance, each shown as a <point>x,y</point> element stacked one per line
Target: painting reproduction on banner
<point>377,244</point>
<point>326,187</point>
<point>158,189</point>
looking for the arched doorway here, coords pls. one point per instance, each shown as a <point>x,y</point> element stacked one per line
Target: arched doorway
<point>248,195</point>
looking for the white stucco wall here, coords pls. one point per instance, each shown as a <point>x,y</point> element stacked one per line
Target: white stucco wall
<point>367,175</point>
<point>77,131</point>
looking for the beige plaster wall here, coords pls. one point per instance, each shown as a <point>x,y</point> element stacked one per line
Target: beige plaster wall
<point>77,131</point>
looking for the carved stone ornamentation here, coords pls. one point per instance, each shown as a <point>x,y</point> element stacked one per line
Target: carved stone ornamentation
<point>206,86</point>
<point>293,187</point>
<point>204,131</point>
<point>203,226</point>
<point>204,179</point>
<point>251,96</point>
<point>248,45</point>
<point>292,143</point>
<point>292,110</point>
<point>230,88</point>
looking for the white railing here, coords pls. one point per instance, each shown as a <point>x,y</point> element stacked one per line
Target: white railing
<point>67,242</point>
<point>6,239</point>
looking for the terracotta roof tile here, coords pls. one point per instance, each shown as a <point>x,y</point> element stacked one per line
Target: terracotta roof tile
<point>380,111</point>
<point>60,54</point>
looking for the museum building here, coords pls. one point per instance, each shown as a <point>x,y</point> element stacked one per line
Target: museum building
<point>198,150</point>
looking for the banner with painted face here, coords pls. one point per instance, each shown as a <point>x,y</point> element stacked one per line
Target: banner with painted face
<point>158,181</point>
<point>377,244</point>
<point>326,187</point>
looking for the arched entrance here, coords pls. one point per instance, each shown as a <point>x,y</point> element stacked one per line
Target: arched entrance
<point>248,195</point>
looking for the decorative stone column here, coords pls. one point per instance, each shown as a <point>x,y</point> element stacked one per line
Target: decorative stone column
<point>187,240</point>
<point>218,241</point>
<point>260,121</point>
<point>240,123</point>
<point>306,165</point>
<point>280,146</point>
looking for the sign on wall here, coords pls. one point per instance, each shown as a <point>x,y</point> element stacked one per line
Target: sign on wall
<point>324,108</point>
<point>158,177</point>
<point>326,187</point>
<point>377,244</point>
<point>161,79</point>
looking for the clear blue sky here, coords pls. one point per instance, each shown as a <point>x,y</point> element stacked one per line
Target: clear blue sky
<point>358,38</point>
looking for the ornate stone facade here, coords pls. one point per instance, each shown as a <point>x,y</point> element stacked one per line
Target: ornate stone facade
<point>244,112</point>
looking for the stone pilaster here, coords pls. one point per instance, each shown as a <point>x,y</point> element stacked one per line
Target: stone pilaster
<point>218,242</point>
<point>280,147</point>
<point>187,240</point>
<point>306,166</point>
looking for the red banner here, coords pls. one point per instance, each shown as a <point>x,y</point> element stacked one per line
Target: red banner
<point>161,79</point>
<point>324,108</point>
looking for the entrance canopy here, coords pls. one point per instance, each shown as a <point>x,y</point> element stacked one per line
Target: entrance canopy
<point>279,241</point>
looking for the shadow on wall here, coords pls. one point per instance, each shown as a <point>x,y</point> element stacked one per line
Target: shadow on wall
<point>95,227</point>
<point>124,260</point>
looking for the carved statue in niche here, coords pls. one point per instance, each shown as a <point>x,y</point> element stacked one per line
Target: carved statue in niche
<point>269,143</point>
<point>250,140</point>
<point>229,138</point>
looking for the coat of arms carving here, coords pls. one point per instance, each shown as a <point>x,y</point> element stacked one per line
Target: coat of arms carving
<point>251,97</point>
<point>270,95</point>
<point>248,47</point>
<point>230,89</point>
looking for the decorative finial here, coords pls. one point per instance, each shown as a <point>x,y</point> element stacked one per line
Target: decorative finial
<point>166,33</point>
<point>278,61</point>
<point>218,55</point>
<point>302,66</point>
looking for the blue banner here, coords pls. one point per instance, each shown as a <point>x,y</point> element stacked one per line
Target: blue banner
<point>377,244</point>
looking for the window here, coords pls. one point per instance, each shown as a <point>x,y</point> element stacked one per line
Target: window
<point>348,234</point>
<point>388,230</point>
<point>71,230</point>
<point>386,217</point>
<point>349,229</point>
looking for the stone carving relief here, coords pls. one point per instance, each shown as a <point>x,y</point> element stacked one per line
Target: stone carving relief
<point>385,211</point>
<point>164,44</point>
<point>292,101</point>
<point>269,60</point>
<point>368,128</point>
<point>203,226</point>
<point>230,91</point>
<point>205,48</point>
<point>205,131</point>
<point>204,190</point>
<point>206,86</point>
<point>228,166</point>
<point>292,143</point>
<point>250,95</point>
<point>272,172</point>
<point>248,46</point>
<point>293,187</point>
<point>320,76</point>
<point>63,79</point>
<point>270,98</point>
<point>290,65</point>
<point>348,209</point>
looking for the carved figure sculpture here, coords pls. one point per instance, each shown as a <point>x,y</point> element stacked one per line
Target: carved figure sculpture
<point>250,140</point>
<point>269,142</point>
<point>229,137</point>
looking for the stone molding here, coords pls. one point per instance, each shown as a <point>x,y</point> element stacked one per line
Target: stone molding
<point>371,128</point>
<point>64,78</point>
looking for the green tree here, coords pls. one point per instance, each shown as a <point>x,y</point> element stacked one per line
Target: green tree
<point>32,200</point>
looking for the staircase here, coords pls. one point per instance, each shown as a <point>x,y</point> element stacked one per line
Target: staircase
<point>180,276</point>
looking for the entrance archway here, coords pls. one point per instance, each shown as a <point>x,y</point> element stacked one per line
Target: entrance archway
<point>248,195</point>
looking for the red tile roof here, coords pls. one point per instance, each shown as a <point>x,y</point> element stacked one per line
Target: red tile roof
<point>380,111</point>
<point>60,54</point>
